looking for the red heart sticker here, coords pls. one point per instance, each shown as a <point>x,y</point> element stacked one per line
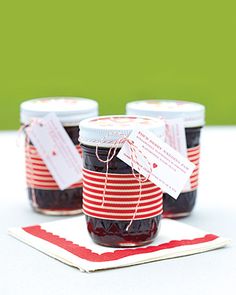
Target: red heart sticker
<point>54,153</point>
<point>154,165</point>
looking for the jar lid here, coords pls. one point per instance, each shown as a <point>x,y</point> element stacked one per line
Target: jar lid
<point>70,110</point>
<point>192,113</point>
<point>104,131</point>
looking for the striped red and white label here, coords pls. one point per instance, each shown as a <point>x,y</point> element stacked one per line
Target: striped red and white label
<point>121,197</point>
<point>194,157</point>
<point>37,174</point>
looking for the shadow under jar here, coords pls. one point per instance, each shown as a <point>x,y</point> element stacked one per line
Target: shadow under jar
<point>117,212</point>
<point>44,194</point>
<point>193,115</point>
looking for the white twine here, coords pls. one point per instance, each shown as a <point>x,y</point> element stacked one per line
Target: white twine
<point>133,156</point>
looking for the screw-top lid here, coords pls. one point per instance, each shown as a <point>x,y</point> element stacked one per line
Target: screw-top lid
<point>105,131</point>
<point>70,110</point>
<point>192,113</point>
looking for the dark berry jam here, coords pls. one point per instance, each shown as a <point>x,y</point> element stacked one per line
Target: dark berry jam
<point>56,201</point>
<point>114,233</point>
<point>185,203</point>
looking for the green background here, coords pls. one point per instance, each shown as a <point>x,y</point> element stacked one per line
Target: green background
<point>117,51</point>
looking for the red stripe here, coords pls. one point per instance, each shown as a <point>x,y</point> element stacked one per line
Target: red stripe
<point>84,253</point>
<point>33,165</point>
<point>118,182</point>
<point>113,182</point>
<point>196,169</point>
<point>37,174</point>
<point>37,168</point>
<point>35,162</point>
<point>193,153</point>
<point>127,215</point>
<point>29,158</point>
<point>121,199</point>
<point>38,165</point>
<point>194,176</point>
<point>122,208</point>
<point>119,205</point>
<point>118,193</point>
<point>110,185</point>
<point>194,182</point>
<point>122,217</point>
<point>196,148</point>
<point>33,174</point>
<point>194,157</point>
<point>117,197</point>
<point>46,181</point>
<point>112,209</point>
<point>196,151</point>
<point>113,175</point>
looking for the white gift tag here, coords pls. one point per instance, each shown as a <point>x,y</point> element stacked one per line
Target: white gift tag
<point>175,137</point>
<point>156,160</point>
<point>56,149</point>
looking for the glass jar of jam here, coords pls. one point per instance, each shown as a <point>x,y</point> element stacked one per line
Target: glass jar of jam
<point>193,115</point>
<point>44,193</point>
<point>120,211</point>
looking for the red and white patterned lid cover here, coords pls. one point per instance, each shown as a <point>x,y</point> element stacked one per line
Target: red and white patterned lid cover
<point>192,113</point>
<point>70,110</point>
<point>107,130</point>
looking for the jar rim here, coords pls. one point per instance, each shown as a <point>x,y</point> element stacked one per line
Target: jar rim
<point>70,110</point>
<point>105,131</point>
<point>192,113</point>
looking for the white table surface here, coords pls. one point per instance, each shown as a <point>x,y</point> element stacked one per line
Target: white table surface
<point>24,270</point>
